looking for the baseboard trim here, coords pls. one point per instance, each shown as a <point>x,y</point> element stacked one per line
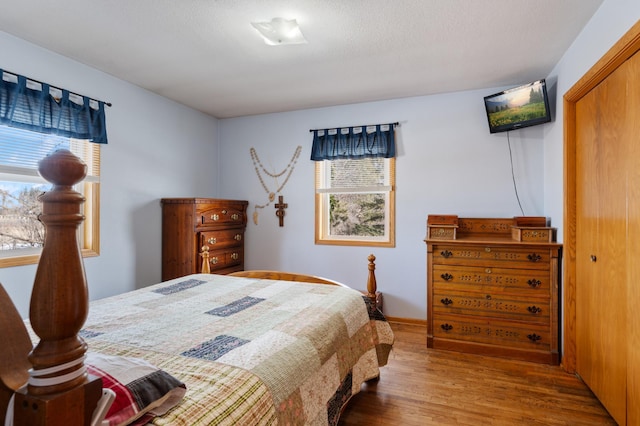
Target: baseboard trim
<point>412,321</point>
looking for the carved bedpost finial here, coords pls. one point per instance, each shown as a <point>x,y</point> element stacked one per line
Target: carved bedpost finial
<point>206,269</point>
<point>372,286</point>
<point>59,391</point>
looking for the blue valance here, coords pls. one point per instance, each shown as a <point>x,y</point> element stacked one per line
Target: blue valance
<point>38,110</point>
<point>354,142</point>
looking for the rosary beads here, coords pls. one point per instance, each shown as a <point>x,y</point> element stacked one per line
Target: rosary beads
<point>257,164</point>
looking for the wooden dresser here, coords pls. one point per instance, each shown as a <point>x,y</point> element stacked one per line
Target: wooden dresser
<point>188,224</point>
<point>492,287</point>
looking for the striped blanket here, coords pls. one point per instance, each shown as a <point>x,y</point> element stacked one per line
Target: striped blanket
<point>250,351</point>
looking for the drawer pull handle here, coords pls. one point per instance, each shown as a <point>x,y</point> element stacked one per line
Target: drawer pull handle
<point>215,217</point>
<point>534,283</point>
<point>593,258</point>
<point>446,301</point>
<point>212,241</point>
<point>533,257</point>
<point>488,297</point>
<point>235,256</point>
<point>446,254</point>
<point>534,309</point>
<point>534,337</point>
<point>214,260</point>
<point>447,276</point>
<point>487,249</point>
<point>235,216</point>
<point>446,327</point>
<point>238,237</point>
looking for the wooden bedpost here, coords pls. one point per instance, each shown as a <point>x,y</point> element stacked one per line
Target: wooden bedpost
<point>372,285</point>
<point>206,269</point>
<point>59,391</point>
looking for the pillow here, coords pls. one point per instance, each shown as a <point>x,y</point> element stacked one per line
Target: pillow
<point>142,390</point>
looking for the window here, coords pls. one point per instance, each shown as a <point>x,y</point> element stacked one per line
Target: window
<point>21,233</point>
<point>355,202</point>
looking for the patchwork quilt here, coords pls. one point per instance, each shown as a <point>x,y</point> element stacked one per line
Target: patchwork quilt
<point>250,351</point>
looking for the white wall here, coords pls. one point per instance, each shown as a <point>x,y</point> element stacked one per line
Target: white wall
<point>157,148</point>
<point>448,163</point>
<point>612,20</point>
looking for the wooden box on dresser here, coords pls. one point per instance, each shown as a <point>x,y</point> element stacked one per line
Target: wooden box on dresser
<point>493,286</point>
<point>188,224</point>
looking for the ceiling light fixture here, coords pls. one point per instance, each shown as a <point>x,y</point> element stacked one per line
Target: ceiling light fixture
<point>280,31</point>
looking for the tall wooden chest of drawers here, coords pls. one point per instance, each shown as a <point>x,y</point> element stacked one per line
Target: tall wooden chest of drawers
<point>492,287</point>
<point>188,224</point>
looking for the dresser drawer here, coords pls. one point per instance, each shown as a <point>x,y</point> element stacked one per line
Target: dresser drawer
<point>221,259</point>
<point>491,256</point>
<point>220,215</point>
<point>221,239</point>
<point>533,282</point>
<point>492,331</point>
<point>492,305</point>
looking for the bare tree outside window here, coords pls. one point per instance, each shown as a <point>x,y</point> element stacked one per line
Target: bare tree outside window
<point>19,210</point>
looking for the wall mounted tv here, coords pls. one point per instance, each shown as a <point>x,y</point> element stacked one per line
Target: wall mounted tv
<point>519,107</point>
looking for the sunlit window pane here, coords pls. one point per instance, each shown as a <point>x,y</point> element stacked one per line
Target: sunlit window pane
<point>357,215</point>
<point>355,202</point>
<point>19,210</point>
<point>21,233</point>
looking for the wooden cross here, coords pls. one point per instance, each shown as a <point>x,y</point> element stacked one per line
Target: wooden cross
<point>281,205</point>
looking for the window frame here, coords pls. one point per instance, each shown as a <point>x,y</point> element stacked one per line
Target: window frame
<point>322,210</point>
<point>89,237</point>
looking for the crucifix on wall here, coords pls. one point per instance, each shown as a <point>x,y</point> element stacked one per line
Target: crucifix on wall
<point>280,206</point>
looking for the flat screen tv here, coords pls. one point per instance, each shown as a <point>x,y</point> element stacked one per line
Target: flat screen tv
<point>518,107</point>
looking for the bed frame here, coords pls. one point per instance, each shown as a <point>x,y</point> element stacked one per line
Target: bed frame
<point>372,285</point>
<point>59,390</point>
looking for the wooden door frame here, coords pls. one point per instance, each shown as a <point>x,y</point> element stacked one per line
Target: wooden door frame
<point>625,48</point>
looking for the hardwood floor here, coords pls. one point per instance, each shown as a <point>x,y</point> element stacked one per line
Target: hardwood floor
<point>421,386</point>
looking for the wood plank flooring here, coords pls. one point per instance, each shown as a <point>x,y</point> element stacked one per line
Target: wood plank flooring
<point>421,387</point>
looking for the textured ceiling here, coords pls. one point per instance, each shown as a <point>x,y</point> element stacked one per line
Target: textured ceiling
<point>206,55</point>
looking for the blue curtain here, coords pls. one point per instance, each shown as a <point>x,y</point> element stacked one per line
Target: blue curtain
<point>354,142</point>
<point>39,111</point>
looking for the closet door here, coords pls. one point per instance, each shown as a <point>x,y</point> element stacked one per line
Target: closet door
<point>601,252</point>
<point>633,251</point>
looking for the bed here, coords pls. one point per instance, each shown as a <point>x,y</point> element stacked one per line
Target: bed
<point>256,347</point>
